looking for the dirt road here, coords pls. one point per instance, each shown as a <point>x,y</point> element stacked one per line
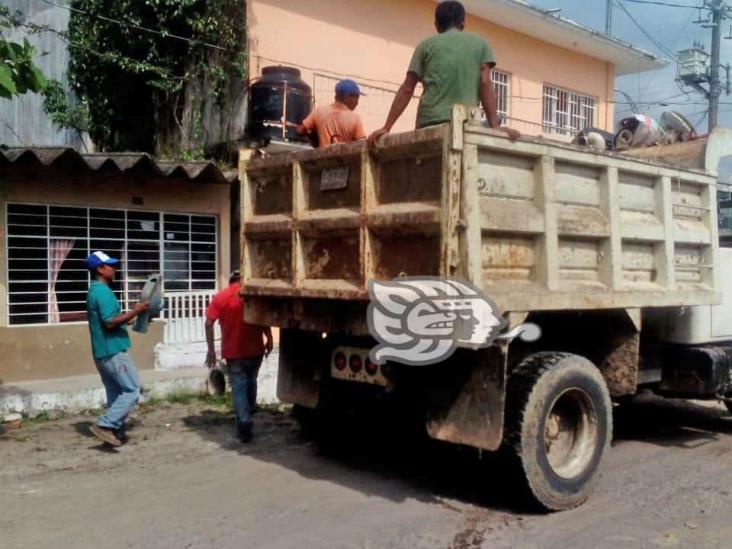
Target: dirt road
<point>183,482</point>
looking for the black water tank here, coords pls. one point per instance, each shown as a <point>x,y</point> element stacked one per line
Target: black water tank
<point>279,93</point>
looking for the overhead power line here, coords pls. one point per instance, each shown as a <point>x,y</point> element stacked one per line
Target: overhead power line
<point>697,67</point>
<point>121,60</point>
<point>164,34</point>
<point>671,56</point>
<point>680,34</point>
<point>703,116</point>
<point>667,4</point>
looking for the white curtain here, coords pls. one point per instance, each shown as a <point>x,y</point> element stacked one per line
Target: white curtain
<point>58,252</point>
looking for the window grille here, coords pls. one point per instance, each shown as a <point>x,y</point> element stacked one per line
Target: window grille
<point>502,85</point>
<point>47,246</point>
<point>566,112</point>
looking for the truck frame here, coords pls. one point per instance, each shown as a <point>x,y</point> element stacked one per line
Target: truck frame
<point>615,257</point>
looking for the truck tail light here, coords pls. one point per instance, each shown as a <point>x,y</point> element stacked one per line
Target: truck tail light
<point>371,368</point>
<point>355,363</point>
<point>340,361</point>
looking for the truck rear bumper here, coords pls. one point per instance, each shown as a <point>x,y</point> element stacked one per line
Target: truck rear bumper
<point>463,397</point>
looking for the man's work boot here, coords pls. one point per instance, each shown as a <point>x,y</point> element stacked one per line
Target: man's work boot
<point>244,432</point>
<point>121,434</point>
<point>105,435</point>
<point>122,437</point>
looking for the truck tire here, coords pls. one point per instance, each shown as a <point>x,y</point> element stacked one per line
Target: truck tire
<point>558,426</point>
<point>728,403</point>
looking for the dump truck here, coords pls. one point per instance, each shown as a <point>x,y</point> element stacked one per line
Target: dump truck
<point>614,257</point>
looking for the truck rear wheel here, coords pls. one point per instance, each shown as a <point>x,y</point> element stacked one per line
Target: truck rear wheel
<point>558,426</point>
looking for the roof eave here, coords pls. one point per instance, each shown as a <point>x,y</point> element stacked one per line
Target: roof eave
<point>131,163</point>
<point>533,21</point>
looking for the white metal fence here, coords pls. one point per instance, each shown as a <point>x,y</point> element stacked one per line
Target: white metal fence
<point>185,316</point>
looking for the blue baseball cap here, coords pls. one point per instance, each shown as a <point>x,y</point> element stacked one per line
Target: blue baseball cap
<point>99,258</point>
<point>347,87</point>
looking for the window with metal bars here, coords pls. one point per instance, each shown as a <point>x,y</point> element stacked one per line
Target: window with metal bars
<point>566,112</point>
<point>47,246</point>
<point>502,85</point>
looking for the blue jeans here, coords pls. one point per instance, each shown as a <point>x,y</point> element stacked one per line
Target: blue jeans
<point>122,384</point>
<point>243,380</point>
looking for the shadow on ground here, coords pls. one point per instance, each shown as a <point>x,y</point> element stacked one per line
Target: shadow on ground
<point>376,457</point>
<point>670,422</point>
<point>83,429</point>
<point>383,457</point>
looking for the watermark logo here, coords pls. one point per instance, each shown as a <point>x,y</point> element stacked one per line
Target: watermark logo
<point>422,321</point>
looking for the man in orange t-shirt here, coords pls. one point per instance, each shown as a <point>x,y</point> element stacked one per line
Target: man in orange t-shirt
<point>242,348</point>
<point>336,123</point>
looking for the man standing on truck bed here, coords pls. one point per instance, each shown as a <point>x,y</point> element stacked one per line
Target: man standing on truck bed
<point>242,348</point>
<point>454,67</point>
<point>337,122</point>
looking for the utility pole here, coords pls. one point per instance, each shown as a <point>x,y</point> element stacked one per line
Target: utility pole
<point>718,14</point>
<point>696,67</point>
<point>608,17</point>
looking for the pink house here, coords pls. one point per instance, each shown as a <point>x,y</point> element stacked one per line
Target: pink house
<point>554,76</point>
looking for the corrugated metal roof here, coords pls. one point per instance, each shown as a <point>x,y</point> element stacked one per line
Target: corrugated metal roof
<point>141,164</point>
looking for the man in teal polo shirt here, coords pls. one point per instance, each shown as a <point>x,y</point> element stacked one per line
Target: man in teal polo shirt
<point>454,67</point>
<point>110,343</point>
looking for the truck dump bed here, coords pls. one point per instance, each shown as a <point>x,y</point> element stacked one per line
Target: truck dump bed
<point>539,225</point>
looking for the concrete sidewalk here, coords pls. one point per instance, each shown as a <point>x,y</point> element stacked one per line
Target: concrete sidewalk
<point>79,393</point>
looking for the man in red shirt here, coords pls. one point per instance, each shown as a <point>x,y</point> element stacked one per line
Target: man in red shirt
<point>243,349</point>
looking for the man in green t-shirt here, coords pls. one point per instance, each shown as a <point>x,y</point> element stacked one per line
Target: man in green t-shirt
<point>454,67</point>
<point>110,343</point>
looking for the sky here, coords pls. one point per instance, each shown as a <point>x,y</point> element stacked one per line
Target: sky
<point>672,28</point>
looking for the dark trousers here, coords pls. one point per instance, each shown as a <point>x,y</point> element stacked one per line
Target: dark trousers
<point>243,380</point>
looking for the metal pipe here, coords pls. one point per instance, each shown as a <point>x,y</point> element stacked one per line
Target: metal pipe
<point>284,113</point>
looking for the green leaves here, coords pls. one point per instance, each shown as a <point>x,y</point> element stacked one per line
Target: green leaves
<point>38,78</point>
<point>7,84</point>
<point>18,73</point>
<point>136,83</point>
<point>61,111</point>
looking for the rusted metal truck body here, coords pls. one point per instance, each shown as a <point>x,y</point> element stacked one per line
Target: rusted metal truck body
<point>599,250</point>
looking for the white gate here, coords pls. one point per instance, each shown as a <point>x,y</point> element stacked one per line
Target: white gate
<point>185,316</point>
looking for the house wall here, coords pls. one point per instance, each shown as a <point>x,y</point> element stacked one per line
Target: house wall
<point>53,351</point>
<point>50,351</point>
<point>23,121</point>
<point>373,42</point>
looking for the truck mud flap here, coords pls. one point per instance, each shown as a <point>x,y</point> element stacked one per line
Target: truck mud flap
<point>475,416</point>
<point>299,369</point>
